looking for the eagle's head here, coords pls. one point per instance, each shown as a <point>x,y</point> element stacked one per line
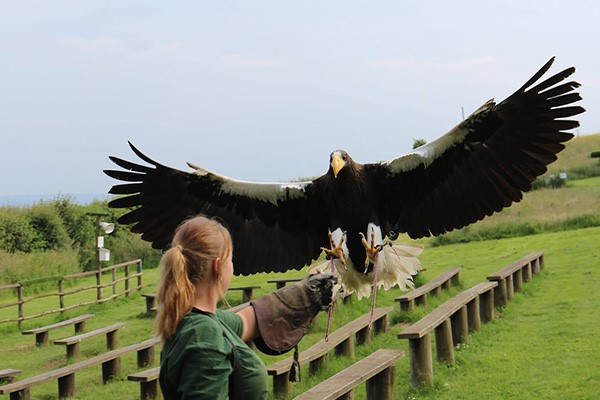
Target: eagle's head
<point>338,160</point>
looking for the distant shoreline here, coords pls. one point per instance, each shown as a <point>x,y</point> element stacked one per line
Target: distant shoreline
<point>24,200</point>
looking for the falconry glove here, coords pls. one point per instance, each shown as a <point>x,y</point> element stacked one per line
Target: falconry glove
<point>283,317</point>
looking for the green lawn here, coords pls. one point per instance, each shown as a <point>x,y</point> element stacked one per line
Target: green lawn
<point>543,345</point>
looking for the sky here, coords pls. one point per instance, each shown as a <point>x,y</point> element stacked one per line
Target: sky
<point>262,90</point>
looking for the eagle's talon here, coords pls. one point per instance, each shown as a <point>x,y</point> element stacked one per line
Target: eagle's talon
<point>336,250</point>
<point>371,249</point>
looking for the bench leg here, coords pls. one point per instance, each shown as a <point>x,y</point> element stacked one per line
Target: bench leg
<point>41,339</point>
<point>246,295</point>
<point>500,294</point>
<point>421,363</point>
<point>112,340</point>
<point>382,325</point>
<point>24,394</point>
<point>510,288</point>
<point>407,306</point>
<point>73,351</point>
<point>443,343</point>
<point>66,386</point>
<point>438,291</point>
<point>460,326</point>
<point>486,307</point>
<point>148,390</point>
<point>145,357</point>
<point>473,314</point>
<point>282,387</point>
<point>346,348</point>
<point>79,327</point>
<point>381,386</point>
<point>527,273</point>
<point>421,300</point>
<point>318,364</point>
<point>518,280</point>
<point>363,336</point>
<point>111,369</point>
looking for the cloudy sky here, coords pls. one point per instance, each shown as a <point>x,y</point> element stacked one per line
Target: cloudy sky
<point>262,90</point>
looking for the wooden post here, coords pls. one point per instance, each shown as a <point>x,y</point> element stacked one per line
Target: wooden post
<point>438,291</point>
<point>20,305</point>
<point>473,314</point>
<point>421,300</point>
<point>510,288</point>
<point>112,339</point>
<point>527,272</point>
<point>66,386</point>
<point>148,390</point>
<point>486,308</point>
<point>61,295</point>
<point>80,326</point>
<point>73,351</point>
<point>421,363</point>
<point>500,294</point>
<point>114,281</point>
<point>346,348</point>
<point>246,295</point>
<point>318,364</point>
<point>139,272</point>
<point>145,357</point>
<point>407,305</point>
<point>460,326</point>
<point>443,343</point>
<point>98,285</point>
<point>282,386</point>
<point>381,386</point>
<point>363,336</point>
<point>518,280</point>
<point>382,325</point>
<point>111,369</point>
<point>126,280</point>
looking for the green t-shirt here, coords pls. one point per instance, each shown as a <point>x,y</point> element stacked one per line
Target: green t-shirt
<point>197,361</point>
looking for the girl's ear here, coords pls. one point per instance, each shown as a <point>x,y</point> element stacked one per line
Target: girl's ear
<point>216,270</point>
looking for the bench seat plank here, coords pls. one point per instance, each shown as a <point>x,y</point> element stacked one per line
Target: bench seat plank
<point>41,333</point>
<point>69,370</point>
<point>73,342</point>
<point>419,295</point>
<point>346,380</point>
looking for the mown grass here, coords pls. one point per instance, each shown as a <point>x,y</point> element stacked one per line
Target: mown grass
<point>542,345</point>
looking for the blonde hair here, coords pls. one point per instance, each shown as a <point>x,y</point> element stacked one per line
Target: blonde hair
<point>196,244</point>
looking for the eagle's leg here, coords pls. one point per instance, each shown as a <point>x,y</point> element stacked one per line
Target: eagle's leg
<point>371,249</point>
<point>336,250</point>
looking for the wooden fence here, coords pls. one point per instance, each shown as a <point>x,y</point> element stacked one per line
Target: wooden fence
<point>19,289</point>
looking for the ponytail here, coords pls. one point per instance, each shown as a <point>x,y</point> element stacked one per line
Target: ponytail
<point>196,243</point>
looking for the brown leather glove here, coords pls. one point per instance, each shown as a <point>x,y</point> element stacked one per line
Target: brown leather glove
<point>284,316</point>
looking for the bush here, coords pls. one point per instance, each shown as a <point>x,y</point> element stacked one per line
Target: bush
<point>51,233</point>
<point>16,233</point>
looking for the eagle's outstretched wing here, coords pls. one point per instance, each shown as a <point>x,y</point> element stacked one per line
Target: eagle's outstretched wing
<point>275,226</point>
<point>482,165</point>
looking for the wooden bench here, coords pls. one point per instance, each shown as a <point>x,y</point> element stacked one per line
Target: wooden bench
<point>377,369</point>
<point>73,343</point>
<point>246,292</point>
<point>451,321</point>
<point>282,282</point>
<point>148,380</point>
<point>419,295</point>
<point>8,375</point>
<point>510,278</point>
<point>111,366</point>
<point>341,341</point>
<point>41,333</point>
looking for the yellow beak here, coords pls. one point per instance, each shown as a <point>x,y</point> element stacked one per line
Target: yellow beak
<point>337,164</point>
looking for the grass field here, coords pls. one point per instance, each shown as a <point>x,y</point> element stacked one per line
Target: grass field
<point>543,345</point>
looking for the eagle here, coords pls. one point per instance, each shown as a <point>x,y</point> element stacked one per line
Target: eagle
<point>354,212</point>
